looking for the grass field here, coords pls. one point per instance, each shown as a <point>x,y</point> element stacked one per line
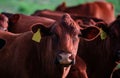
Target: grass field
<point>29,6</point>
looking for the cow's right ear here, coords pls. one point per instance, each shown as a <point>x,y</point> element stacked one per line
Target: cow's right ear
<point>14,18</point>
<point>2,43</point>
<point>90,33</point>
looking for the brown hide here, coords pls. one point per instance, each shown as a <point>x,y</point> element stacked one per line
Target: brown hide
<point>6,40</point>
<point>100,55</point>
<point>19,23</point>
<point>57,15</point>
<point>102,10</point>
<point>3,22</point>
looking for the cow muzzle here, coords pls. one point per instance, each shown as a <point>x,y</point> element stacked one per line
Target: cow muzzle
<point>65,59</point>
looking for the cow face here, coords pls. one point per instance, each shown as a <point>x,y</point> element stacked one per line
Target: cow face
<point>3,22</point>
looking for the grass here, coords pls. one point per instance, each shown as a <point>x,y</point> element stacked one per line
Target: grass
<point>29,6</point>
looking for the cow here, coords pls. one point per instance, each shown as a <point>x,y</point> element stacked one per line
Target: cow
<point>81,20</point>
<point>19,23</point>
<point>7,14</point>
<point>100,54</point>
<point>98,9</point>
<point>56,15</point>
<point>3,22</point>
<point>52,55</point>
<point>6,40</point>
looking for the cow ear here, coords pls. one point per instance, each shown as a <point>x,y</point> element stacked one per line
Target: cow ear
<point>103,26</point>
<point>44,31</point>
<point>2,43</point>
<point>90,33</point>
<point>39,31</point>
<point>14,18</point>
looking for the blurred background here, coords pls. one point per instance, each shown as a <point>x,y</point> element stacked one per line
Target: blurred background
<point>29,6</point>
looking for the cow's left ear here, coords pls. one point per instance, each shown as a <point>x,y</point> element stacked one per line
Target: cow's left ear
<point>39,31</point>
<point>44,30</point>
<point>90,33</point>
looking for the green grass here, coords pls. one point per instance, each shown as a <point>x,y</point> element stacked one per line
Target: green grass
<point>29,6</point>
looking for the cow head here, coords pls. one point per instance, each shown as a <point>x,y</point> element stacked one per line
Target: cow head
<point>3,22</point>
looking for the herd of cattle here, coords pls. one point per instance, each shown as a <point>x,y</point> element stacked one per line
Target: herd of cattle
<point>81,41</point>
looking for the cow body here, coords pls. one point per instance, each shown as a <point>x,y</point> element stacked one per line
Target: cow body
<point>6,40</point>
<point>98,9</point>
<point>100,54</point>
<point>19,23</point>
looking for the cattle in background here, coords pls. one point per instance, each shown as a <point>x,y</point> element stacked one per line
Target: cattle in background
<point>81,20</point>
<point>98,9</point>
<point>19,23</point>
<point>100,54</point>
<point>3,22</point>
<point>56,15</point>
<point>7,14</point>
<point>6,40</point>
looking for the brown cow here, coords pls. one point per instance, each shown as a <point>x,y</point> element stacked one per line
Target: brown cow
<point>3,22</point>
<point>56,15</point>
<point>81,20</point>
<point>37,60</point>
<point>6,40</point>
<point>19,23</point>
<point>100,54</point>
<point>98,9</point>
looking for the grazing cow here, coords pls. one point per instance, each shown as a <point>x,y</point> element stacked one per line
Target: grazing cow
<point>3,22</point>
<point>100,54</point>
<point>19,23</point>
<point>53,55</point>
<point>98,9</point>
